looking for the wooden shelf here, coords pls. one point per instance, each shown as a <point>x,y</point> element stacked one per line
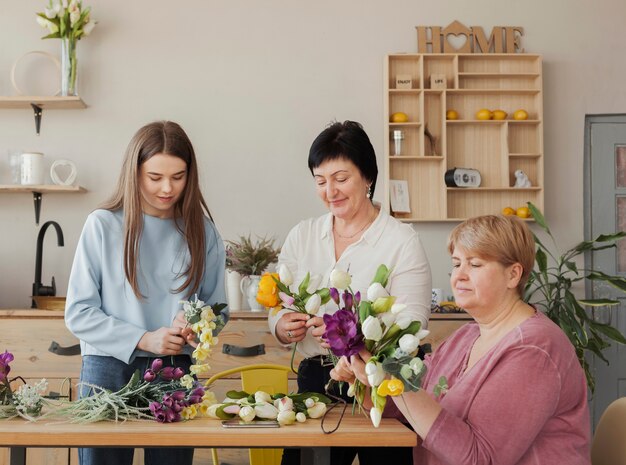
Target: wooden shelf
<point>496,148</point>
<point>41,188</point>
<point>46,103</point>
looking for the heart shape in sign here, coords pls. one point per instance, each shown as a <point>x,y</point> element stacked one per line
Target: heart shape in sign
<point>456,41</point>
<point>63,172</point>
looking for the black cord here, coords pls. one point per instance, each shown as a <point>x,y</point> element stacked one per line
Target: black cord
<point>338,401</point>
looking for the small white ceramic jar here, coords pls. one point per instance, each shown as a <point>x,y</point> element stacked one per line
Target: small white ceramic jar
<point>32,168</point>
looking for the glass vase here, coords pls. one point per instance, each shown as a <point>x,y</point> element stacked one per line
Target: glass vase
<point>69,71</point>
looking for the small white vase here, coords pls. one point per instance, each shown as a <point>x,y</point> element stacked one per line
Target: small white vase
<point>233,290</point>
<point>249,288</point>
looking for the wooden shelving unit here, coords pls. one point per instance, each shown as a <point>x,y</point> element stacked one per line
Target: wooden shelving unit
<point>496,148</point>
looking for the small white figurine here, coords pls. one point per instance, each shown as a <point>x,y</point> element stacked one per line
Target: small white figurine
<point>521,180</point>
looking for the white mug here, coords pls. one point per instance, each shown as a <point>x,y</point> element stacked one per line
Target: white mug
<point>437,297</point>
<point>32,168</point>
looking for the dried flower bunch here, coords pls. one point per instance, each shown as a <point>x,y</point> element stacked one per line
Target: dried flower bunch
<point>249,257</point>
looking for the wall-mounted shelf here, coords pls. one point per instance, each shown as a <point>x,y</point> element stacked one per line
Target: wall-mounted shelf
<point>432,144</point>
<point>47,103</point>
<point>38,191</point>
<point>39,103</point>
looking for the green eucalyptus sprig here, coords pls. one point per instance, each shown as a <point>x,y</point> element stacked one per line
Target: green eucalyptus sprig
<point>549,288</point>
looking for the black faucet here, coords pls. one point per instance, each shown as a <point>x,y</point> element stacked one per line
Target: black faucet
<point>38,287</point>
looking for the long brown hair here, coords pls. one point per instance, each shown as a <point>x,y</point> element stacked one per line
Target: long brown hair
<point>169,138</point>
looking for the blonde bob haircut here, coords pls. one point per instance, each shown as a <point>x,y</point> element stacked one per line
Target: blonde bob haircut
<point>504,239</point>
<point>189,212</point>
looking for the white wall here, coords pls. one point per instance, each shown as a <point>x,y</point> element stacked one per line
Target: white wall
<point>254,82</point>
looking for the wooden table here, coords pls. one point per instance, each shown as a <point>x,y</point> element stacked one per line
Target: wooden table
<point>355,431</point>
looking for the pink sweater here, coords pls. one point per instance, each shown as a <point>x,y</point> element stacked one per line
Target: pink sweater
<point>524,402</point>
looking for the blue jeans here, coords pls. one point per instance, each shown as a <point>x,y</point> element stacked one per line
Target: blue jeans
<point>111,373</point>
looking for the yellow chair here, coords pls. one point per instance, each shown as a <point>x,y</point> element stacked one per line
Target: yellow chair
<point>609,441</point>
<point>261,377</point>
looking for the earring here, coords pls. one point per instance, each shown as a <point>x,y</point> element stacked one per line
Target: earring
<point>368,193</point>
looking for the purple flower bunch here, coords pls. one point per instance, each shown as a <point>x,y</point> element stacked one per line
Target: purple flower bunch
<point>157,370</point>
<point>170,408</point>
<point>343,331</point>
<point>174,399</point>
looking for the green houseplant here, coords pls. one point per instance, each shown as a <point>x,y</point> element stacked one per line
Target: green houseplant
<point>549,289</point>
<point>248,257</point>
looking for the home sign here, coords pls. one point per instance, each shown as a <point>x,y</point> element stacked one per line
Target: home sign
<point>457,38</point>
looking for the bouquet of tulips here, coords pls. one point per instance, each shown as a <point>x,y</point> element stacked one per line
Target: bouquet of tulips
<point>380,325</point>
<point>285,409</point>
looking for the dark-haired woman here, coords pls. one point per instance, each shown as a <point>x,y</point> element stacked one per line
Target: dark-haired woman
<point>150,246</point>
<point>355,236</point>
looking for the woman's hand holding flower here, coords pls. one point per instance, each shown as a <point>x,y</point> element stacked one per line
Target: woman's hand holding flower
<point>185,331</point>
<point>319,328</point>
<point>292,327</point>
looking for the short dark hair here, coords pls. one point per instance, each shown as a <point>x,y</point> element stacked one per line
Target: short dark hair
<point>346,140</point>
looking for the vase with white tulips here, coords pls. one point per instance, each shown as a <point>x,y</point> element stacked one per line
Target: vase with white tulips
<point>69,21</point>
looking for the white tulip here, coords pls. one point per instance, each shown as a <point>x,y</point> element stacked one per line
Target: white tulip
<point>397,308</point>
<point>375,373</point>
<point>375,291</point>
<point>408,343</point>
<point>300,417</point>
<point>351,389</point>
<point>262,396</point>
<point>284,403</point>
<point>313,304</point>
<point>422,333</point>
<point>52,13</point>
<point>372,329</point>
<point>232,409</point>
<point>340,279</point>
<point>314,283</point>
<point>286,417</point>
<point>247,413</point>
<point>375,415</point>
<point>266,411</point>
<point>403,321</point>
<point>387,319</point>
<point>318,409</point>
<point>87,28</point>
<point>285,275</point>
<point>211,411</point>
<point>308,402</point>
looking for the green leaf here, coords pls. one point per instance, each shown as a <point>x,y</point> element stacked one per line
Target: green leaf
<point>598,302</point>
<point>237,394</point>
<point>618,282</point>
<point>324,294</point>
<point>304,284</point>
<point>365,310</point>
<point>542,260</point>
<point>538,217</point>
<point>610,332</point>
<point>382,275</point>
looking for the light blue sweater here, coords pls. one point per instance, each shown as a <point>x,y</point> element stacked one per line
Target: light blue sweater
<point>102,310</point>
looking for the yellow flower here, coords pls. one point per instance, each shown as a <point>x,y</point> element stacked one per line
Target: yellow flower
<point>268,291</point>
<point>209,397</point>
<point>189,413</point>
<point>202,353</point>
<point>390,387</point>
<point>199,369</point>
<point>207,337</point>
<point>187,381</point>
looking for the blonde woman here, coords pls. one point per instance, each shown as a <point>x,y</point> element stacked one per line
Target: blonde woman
<point>151,245</point>
<point>516,392</point>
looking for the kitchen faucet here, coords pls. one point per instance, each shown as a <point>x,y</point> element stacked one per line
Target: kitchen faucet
<point>38,287</point>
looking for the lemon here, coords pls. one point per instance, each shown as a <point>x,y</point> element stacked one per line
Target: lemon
<point>499,114</point>
<point>508,211</point>
<point>399,117</point>
<point>484,114</point>
<point>520,115</point>
<point>523,212</point>
<point>452,114</point>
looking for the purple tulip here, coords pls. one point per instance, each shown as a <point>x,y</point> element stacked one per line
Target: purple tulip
<point>178,396</point>
<point>178,373</point>
<point>286,299</point>
<point>357,298</point>
<point>167,373</point>
<point>194,399</point>
<point>5,359</point>
<point>157,364</point>
<point>167,400</point>
<point>160,416</point>
<point>347,300</point>
<point>199,391</point>
<point>342,333</point>
<point>149,375</point>
<point>155,407</point>
<point>334,294</point>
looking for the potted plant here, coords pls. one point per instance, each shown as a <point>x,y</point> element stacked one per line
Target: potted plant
<point>249,259</point>
<point>549,289</point>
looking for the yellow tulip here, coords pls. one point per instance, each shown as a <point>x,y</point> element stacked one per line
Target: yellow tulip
<point>390,387</point>
<point>267,294</point>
